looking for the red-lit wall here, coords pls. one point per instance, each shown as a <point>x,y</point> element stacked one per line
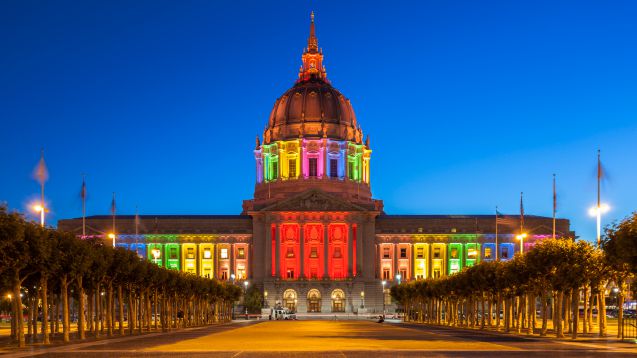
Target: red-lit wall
<point>313,235</point>
<point>337,259</point>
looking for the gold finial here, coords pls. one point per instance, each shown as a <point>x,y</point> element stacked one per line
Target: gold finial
<point>312,16</point>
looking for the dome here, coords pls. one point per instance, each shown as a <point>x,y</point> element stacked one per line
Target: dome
<point>312,108</point>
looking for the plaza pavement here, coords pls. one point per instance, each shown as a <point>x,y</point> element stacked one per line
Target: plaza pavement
<point>332,338</point>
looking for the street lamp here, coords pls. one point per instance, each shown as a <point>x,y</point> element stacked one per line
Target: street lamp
<point>363,299</point>
<point>521,237</point>
<point>245,294</point>
<point>384,283</point>
<point>112,237</point>
<point>398,277</point>
<point>232,276</point>
<point>598,211</point>
<point>39,208</point>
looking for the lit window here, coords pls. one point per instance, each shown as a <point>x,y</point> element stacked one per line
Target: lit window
<point>313,252</point>
<point>337,252</point>
<point>454,252</point>
<point>403,253</point>
<point>207,253</point>
<point>224,253</point>
<point>290,253</point>
<point>275,170</point>
<point>436,252</point>
<point>403,273</point>
<point>385,252</point>
<point>173,253</point>
<point>487,253</point>
<point>313,166</point>
<point>292,168</point>
<point>224,275</point>
<point>420,253</point>
<point>436,272</point>
<point>472,253</point>
<point>290,273</point>
<point>241,253</point>
<point>190,253</point>
<point>386,274</point>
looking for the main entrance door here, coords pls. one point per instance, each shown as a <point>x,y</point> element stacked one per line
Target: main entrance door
<point>289,299</point>
<point>314,300</point>
<point>338,300</point>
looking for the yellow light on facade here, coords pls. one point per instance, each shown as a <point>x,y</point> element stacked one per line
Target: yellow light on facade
<point>156,253</point>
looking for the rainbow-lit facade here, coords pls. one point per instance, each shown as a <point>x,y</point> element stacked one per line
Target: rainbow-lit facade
<point>312,238</point>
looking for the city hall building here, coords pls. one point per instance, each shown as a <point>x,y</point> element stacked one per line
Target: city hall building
<point>313,238</point>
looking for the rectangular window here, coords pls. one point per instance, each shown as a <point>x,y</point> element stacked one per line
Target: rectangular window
<point>454,252</point>
<point>190,253</point>
<point>292,168</point>
<point>403,253</point>
<point>505,252</point>
<point>290,253</point>
<point>334,168</point>
<point>385,252</point>
<point>207,254</point>
<point>403,273</point>
<point>350,170</point>
<point>290,273</point>
<point>436,252</point>
<point>275,170</point>
<point>487,253</point>
<point>436,273</point>
<point>241,254</point>
<point>420,253</point>
<point>472,254</point>
<point>224,253</point>
<point>313,166</point>
<point>313,252</point>
<point>224,275</point>
<point>173,253</point>
<point>386,274</point>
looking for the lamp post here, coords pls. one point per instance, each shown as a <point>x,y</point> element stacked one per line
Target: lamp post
<point>383,298</point>
<point>398,277</point>
<point>265,299</point>
<point>521,237</point>
<point>362,299</point>
<point>245,295</point>
<point>598,211</point>
<point>232,276</point>
<point>112,237</point>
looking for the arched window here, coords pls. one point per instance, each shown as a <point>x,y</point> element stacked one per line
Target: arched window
<point>314,300</point>
<point>290,299</point>
<point>338,300</point>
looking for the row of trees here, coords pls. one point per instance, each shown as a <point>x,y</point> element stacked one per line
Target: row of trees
<point>557,275</point>
<point>51,273</point>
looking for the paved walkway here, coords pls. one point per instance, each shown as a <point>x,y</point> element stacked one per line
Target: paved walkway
<point>332,338</point>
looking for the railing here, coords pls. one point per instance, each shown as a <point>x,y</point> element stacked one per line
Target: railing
<point>629,328</point>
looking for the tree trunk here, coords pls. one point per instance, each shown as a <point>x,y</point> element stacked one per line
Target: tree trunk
<point>585,317</point>
<point>568,310</point>
<point>120,303</point>
<point>601,311</point>
<point>109,309</point>
<point>620,309</point>
<point>557,317</point>
<point>65,305</point>
<point>45,309</point>
<point>80,319</point>
<point>131,314</point>
<point>155,308</point>
<point>18,317</point>
<point>545,312</point>
<point>575,306</point>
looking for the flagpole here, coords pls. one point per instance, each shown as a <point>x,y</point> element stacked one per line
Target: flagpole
<point>113,213</point>
<point>496,233</point>
<point>42,179</point>
<point>136,227</point>
<point>599,202</point>
<point>554,205</point>
<point>83,206</point>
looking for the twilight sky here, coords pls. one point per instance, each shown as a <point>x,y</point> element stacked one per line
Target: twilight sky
<point>467,103</point>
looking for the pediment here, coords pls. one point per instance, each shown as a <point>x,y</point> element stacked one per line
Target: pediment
<point>313,200</point>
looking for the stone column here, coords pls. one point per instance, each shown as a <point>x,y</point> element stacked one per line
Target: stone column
<point>302,241</point>
<point>232,268</point>
<point>267,249</point>
<point>350,250</point>
<point>359,249</point>
<point>277,248</point>
<point>325,251</point>
<point>395,270</point>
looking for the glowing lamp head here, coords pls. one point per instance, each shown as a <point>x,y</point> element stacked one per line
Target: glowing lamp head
<point>603,208</point>
<point>111,236</point>
<point>38,208</point>
<point>232,276</point>
<point>384,283</point>
<point>362,293</point>
<point>265,294</point>
<point>9,296</point>
<point>521,236</point>
<point>245,283</point>
<point>398,277</point>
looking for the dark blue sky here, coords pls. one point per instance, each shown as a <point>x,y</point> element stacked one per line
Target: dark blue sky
<point>467,103</point>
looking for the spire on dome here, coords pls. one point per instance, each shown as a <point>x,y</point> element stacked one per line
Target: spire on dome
<point>312,58</point>
<point>312,41</point>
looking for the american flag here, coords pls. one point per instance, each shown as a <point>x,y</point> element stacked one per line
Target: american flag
<point>41,174</point>
<point>506,220</point>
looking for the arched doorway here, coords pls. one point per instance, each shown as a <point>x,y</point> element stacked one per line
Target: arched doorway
<point>338,300</point>
<point>290,299</point>
<point>314,300</point>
